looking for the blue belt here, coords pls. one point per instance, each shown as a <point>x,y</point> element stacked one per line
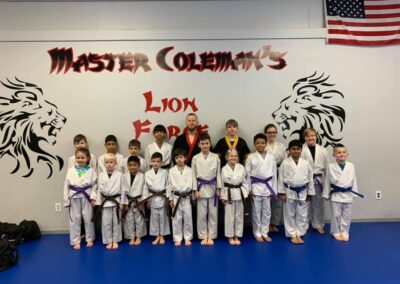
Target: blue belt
<point>336,189</point>
<point>297,189</point>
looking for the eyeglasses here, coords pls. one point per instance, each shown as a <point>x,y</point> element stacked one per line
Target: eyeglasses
<point>272,132</point>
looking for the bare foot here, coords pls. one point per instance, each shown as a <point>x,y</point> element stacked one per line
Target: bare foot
<point>115,245</point>
<point>138,241</point>
<point>345,238</point>
<point>273,229</point>
<point>178,243</point>
<point>338,237</point>
<point>109,246</point>
<point>232,241</point>
<point>89,244</point>
<point>294,240</point>
<point>237,241</point>
<point>188,243</point>
<point>204,242</point>
<point>267,239</point>
<point>132,242</point>
<point>320,231</point>
<point>260,239</point>
<point>210,242</point>
<point>77,246</point>
<point>300,240</point>
<point>162,240</point>
<point>156,241</point>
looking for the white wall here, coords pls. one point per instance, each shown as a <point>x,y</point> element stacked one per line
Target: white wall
<point>366,77</point>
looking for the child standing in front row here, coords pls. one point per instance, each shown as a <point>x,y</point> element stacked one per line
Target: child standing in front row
<point>207,169</point>
<point>154,193</point>
<point>80,142</point>
<point>181,183</point>
<point>233,193</point>
<point>342,186</point>
<point>109,198</point>
<point>134,150</point>
<point>111,145</point>
<point>134,223</point>
<point>295,186</point>
<point>261,175</point>
<point>79,195</point>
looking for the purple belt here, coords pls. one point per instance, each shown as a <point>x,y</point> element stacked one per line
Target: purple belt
<point>201,182</point>
<point>266,182</point>
<point>78,190</point>
<point>317,181</point>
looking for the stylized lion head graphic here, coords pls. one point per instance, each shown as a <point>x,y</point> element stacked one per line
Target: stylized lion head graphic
<point>28,124</point>
<point>314,103</point>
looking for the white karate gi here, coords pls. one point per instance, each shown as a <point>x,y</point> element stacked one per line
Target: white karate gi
<point>92,163</point>
<point>159,223</point>
<point>181,182</point>
<point>79,206</point>
<point>134,223</point>
<point>143,165</point>
<point>341,202</point>
<point>165,150</point>
<point>207,168</point>
<point>263,168</point>
<point>316,212</point>
<point>102,168</point>
<point>234,211</point>
<point>295,210</point>
<point>108,186</point>
<point>278,150</point>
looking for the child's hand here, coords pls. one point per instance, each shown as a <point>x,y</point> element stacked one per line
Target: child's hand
<point>197,194</point>
<point>283,198</point>
<point>308,198</point>
<point>218,192</point>
<point>148,205</point>
<point>123,207</point>
<point>223,201</point>
<point>326,198</point>
<point>93,202</point>
<point>251,194</point>
<point>171,203</point>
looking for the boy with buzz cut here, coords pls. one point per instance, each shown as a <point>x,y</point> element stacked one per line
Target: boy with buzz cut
<point>134,150</point>
<point>154,194</point>
<point>134,221</point>
<point>232,141</point>
<point>341,190</point>
<point>159,145</point>
<point>110,189</point>
<point>262,178</point>
<point>111,145</point>
<point>207,169</point>
<point>295,187</point>
<point>80,142</point>
<point>181,183</point>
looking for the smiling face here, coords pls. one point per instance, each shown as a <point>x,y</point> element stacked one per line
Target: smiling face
<point>311,138</point>
<point>81,159</point>
<point>340,154</point>
<point>232,157</point>
<point>260,145</point>
<point>271,134</point>
<point>155,163</point>
<point>81,144</point>
<point>192,122</point>
<point>133,167</point>
<point>295,152</point>
<point>204,145</point>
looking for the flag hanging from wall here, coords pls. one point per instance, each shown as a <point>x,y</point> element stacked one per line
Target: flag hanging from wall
<point>363,22</point>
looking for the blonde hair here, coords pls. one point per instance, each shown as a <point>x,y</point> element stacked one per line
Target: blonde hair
<point>307,132</point>
<point>110,157</point>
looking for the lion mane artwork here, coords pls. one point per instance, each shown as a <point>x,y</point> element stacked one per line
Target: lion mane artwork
<point>29,124</point>
<point>314,103</point>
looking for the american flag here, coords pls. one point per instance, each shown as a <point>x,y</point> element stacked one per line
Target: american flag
<point>358,22</point>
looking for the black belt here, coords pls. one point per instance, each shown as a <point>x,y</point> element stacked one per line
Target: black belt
<point>181,195</point>
<point>230,186</point>
<point>132,201</point>
<point>111,198</point>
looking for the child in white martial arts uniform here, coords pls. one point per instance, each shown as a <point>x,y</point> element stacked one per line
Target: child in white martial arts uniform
<point>341,190</point>
<point>159,145</point>
<point>233,193</point>
<point>207,169</point>
<point>111,145</point>
<point>278,150</point>
<point>110,189</point>
<point>134,150</point>
<point>134,221</point>
<point>262,178</point>
<point>295,186</point>
<point>317,157</point>
<point>80,141</point>
<point>181,183</point>
<point>79,195</point>
<point>154,194</point>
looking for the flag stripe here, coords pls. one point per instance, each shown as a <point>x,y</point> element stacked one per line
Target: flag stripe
<point>363,33</point>
<point>382,7</point>
<point>363,29</point>
<point>362,42</point>
<point>380,16</point>
<point>363,24</point>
